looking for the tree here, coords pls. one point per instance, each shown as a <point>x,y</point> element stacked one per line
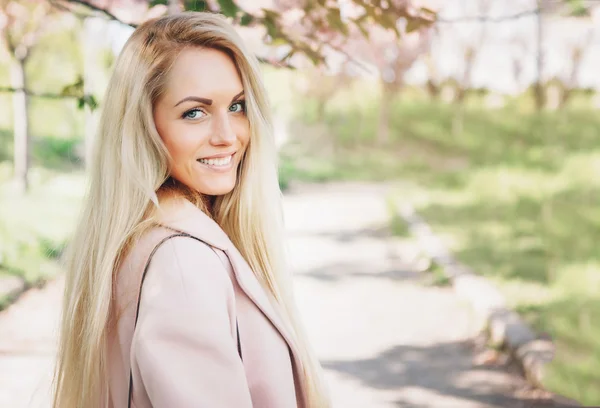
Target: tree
<point>304,26</point>
<point>576,8</point>
<point>322,86</point>
<point>538,87</point>
<point>22,24</point>
<point>434,82</point>
<point>579,14</point>
<point>466,35</point>
<point>471,49</point>
<point>393,58</point>
<point>519,56</point>
<point>390,49</point>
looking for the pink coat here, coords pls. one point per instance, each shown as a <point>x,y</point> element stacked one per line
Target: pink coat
<point>183,352</point>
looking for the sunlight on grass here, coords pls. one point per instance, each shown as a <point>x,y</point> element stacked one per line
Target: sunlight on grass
<point>534,234</point>
<point>34,229</point>
<point>509,184</point>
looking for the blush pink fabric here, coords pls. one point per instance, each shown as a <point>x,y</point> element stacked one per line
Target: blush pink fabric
<point>183,352</point>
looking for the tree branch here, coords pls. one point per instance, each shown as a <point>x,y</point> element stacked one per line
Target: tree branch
<point>111,16</point>
<point>95,8</point>
<point>6,37</point>
<point>487,19</point>
<point>47,95</point>
<point>276,64</point>
<point>501,19</point>
<point>349,57</point>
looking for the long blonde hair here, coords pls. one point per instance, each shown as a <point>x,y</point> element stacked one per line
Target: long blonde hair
<point>129,167</point>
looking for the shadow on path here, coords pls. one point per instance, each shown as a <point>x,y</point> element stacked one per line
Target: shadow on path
<point>430,368</point>
<point>341,271</point>
<point>381,232</point>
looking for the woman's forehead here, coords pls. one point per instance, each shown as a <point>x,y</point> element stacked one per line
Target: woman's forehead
<point>203,72</point>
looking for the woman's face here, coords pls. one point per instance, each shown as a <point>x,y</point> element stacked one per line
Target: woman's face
<point>201,118</point>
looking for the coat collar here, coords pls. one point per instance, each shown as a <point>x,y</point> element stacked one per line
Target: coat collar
<point>182,215</point>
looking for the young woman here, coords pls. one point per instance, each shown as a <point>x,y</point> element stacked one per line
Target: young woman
<point>176,293</point>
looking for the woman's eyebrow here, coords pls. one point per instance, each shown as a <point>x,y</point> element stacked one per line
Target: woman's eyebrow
<point>237,96</point>
<point>205,101</point>
<point>196,99</point>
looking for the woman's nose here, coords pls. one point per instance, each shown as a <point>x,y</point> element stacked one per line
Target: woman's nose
<point>223,132</point>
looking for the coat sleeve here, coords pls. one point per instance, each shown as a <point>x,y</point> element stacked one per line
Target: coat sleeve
<point>184,346</point>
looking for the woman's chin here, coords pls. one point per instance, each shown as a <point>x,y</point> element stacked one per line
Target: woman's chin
<point>217,187</point>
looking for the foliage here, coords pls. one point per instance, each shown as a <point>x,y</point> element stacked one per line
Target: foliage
<point>286,172</point>
<point>398,226</point>
<point>578,8</point>
<point>305,26</point>
<point>24,24</point>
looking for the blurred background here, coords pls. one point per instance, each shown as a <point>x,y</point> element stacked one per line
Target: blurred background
<point>480,114</point>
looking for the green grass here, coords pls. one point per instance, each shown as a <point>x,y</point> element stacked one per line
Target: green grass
<point>50,152</point>
<point>34,228</point>
<point>398,226</point>
<point>515,194</point>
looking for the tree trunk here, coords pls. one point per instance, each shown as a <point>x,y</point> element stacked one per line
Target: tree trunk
<point>20,125</point>
<point>577,58</point>
<point>538,88</point>
<point>458,120</point>
<point>433,90</point>
<point>321,106</point>
<point>385,110</point>
<point>565,96</point>
<point>91,32</point>
<point>460,95</point>
<point>465,82</point>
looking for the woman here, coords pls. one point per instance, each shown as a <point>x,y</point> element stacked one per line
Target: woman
<point>176,292</point>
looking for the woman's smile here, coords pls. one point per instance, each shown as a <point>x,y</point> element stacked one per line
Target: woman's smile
<point>219,164</point>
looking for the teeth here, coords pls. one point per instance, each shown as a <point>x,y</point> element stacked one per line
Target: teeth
<point>224,161</point>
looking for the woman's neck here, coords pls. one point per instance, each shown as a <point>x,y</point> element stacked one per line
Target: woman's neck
<point>174,189</point>
<point>209,202</point>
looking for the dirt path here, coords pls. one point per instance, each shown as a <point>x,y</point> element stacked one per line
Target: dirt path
<point>385,339</point>
<point>27,347</point>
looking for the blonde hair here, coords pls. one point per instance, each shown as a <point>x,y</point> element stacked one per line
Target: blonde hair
<point>129,170</point>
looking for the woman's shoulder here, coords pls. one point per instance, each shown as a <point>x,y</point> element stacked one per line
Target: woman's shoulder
<point>161,253</point>
<point>184,251</point>
<point>163,244</point>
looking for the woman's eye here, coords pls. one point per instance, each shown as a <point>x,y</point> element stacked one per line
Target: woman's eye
<point>238,107</point>
<point>193,114</point>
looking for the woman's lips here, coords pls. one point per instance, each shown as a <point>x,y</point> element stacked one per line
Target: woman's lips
<point>218,164</point>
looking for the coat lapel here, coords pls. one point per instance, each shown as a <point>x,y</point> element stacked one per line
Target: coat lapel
<point>251,286</point>
<point>181,215</point>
